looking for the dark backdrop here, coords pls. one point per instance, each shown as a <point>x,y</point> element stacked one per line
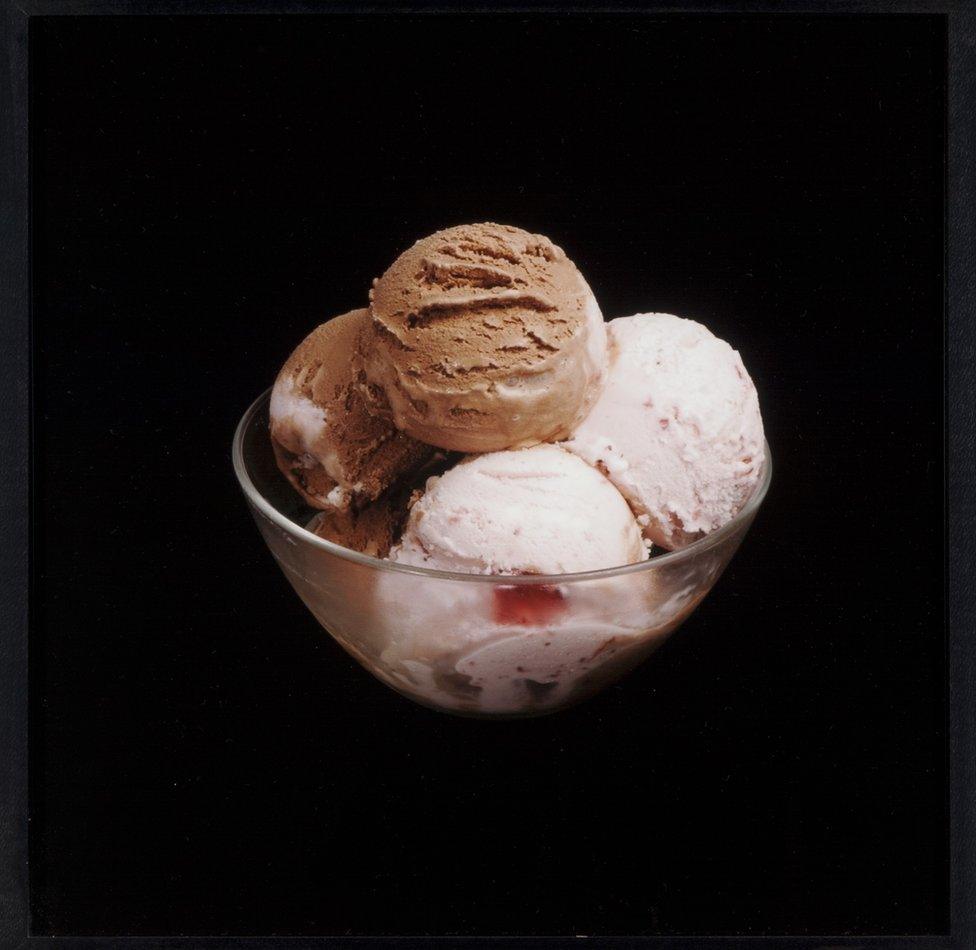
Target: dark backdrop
<point>203,757</point>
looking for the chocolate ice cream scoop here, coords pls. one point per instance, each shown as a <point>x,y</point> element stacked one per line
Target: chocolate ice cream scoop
<point>372,530</point>
<point>334,452</point>
<point>483,337</point>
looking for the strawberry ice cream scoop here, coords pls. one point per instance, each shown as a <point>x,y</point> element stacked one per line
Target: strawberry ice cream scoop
<point>531,511</point>
<point>677,427</point>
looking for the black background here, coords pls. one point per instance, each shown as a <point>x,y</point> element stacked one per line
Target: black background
<point>203,758</point>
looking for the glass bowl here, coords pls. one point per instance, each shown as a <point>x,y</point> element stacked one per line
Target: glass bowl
<point>471,644</point>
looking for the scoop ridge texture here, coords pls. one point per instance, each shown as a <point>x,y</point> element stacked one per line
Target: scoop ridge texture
<point>483,337</point>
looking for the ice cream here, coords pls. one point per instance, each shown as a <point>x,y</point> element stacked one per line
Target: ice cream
<point>372,530</point>
<point>502,649</point>
<point>489,647</point>
<point>483,337</point>
<point>332,450</point>
<point>486,667</point>
<point>676,428</point>
<point>530,511</point>
<point>589,442</point>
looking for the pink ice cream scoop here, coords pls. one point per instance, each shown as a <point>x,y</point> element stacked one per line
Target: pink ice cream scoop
<point>677,427</point>
<point>530,511</point>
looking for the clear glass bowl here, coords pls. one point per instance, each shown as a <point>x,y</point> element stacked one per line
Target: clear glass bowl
<point>472,644</point>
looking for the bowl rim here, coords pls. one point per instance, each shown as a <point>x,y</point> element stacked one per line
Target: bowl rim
<point>305,536</point>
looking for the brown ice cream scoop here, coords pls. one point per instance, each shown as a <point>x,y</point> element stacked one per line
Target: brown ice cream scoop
<point>333,451</point>
<point>372,530</point>
<point>483,337</point>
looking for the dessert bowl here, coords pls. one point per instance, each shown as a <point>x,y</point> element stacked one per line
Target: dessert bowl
<point>492,646</point>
